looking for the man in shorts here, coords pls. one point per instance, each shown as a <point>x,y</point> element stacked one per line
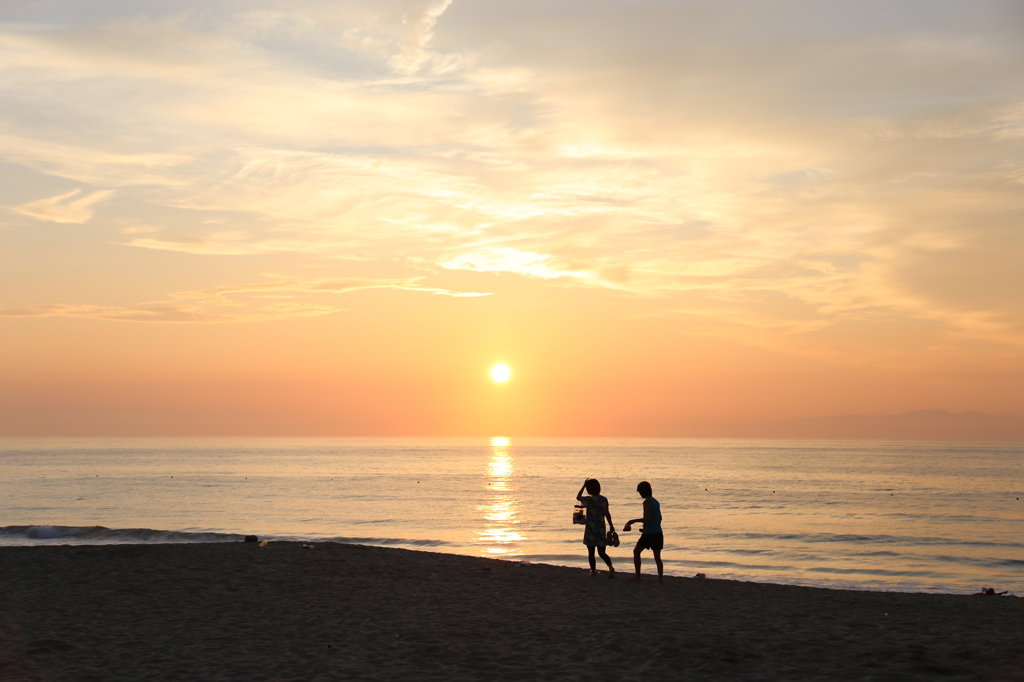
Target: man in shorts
<point>651,536</point>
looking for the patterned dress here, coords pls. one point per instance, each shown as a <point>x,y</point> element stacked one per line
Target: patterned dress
<point>595,535</point>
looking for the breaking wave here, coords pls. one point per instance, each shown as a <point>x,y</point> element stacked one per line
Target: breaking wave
<point>100,535</point>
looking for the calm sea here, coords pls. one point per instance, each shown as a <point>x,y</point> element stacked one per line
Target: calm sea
<point>936,517</point>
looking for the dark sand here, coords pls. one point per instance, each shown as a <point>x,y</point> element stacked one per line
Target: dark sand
<point>338,612</point>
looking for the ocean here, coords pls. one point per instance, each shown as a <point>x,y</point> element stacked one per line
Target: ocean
<point>907,516</point>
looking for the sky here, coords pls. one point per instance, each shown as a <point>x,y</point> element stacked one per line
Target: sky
<point>667,218</point>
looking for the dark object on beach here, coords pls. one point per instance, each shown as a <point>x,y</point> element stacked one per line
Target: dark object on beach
<point>251,538</point>
<point>992,591</point>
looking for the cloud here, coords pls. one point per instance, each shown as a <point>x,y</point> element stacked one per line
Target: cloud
<point>222,244</point>
<point>316,286</point>
<point>140,313</point>
<point>503,259</point>
<point>94,164</point>
<point>419,29</point>
<point>829,166</point>
<point>62,208</point>
<point>249,302</point>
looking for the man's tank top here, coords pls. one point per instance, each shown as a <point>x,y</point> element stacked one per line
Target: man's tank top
<point>654,525</point>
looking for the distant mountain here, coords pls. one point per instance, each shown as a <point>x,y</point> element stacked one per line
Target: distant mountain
<point>919,425</point>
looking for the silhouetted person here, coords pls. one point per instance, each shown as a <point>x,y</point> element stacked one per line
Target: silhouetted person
<point>651,536</point>
<point>594,534</point>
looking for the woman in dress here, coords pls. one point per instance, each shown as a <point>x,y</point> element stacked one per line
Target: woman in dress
<point>594,535</point>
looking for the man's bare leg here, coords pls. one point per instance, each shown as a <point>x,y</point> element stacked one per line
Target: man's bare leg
<point>636,563</point>
<point>661,569</point>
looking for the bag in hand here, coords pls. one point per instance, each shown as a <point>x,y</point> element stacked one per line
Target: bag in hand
<point>579,515</point>
<point>613,538</point>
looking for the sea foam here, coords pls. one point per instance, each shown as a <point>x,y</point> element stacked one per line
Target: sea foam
<point>100,535</point>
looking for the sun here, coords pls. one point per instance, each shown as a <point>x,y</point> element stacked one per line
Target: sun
<point>500,373</point>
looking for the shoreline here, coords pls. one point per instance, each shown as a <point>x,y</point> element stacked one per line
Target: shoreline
<point>47,535</point>
<point>573,561</point>
<point>223,611</point>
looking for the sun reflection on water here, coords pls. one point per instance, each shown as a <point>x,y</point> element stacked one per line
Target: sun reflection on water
<point>499,535</point>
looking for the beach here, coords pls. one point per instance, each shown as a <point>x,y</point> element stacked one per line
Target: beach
<point>238,611</point>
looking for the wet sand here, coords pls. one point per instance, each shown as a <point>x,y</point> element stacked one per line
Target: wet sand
<point>340,612</point>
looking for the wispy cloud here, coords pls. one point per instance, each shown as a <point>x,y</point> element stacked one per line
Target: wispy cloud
<point>139,313</point>
<point>419,29</point>
<point>278,298</point>
<point>279,285</point>
<point>223,243</point>
<point>503,259</point>
<point>64,208</point>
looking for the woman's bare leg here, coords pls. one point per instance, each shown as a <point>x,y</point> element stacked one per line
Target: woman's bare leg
<point>604,555</point>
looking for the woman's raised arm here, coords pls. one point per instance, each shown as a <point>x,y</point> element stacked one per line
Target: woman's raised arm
<point>579,495</point>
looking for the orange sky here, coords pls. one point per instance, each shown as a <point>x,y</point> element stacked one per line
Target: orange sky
<point>667,218</point>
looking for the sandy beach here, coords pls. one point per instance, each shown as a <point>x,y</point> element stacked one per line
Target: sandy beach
<point>284,612</point>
